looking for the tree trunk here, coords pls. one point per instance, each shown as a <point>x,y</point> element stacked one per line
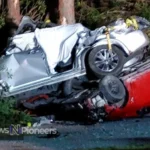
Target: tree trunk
<point>0,4</point>
<point>104,3</point>
<point>14,11</point>
<point>67,10</point>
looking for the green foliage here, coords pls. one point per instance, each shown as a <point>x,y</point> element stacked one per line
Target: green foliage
<point>87,15</point>
<point>144,10</point>
<point>2,20</point>
<point>93,17</point>
<point>9,115</point>
<point>2,16</point>
<point>33,8</point>
<point>116,3</point>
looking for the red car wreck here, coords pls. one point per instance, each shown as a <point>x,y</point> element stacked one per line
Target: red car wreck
<point>134,90</point>
<point>137,85</point>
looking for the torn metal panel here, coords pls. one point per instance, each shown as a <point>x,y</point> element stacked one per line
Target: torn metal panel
<point>21,68</point>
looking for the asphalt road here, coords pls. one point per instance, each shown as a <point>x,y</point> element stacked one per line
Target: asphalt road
<point>107,134</point>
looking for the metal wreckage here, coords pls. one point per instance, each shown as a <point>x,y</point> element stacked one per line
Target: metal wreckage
<point>102,73</point>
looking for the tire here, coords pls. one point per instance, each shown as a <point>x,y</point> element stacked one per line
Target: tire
<point>73,85</point>
<point>118,61</point>
<point>67,88</point>
<point>112,89</point>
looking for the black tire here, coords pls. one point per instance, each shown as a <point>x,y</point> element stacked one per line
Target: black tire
<point>97,71</point>
<point>73,85</point>
<point>112,89</point>
<point>67,88</point>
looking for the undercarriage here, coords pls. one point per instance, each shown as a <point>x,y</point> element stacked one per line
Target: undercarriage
<point>85,102</point>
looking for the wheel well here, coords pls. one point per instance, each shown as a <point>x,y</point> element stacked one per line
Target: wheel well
<point>84,58</point>
<point>125,54</point>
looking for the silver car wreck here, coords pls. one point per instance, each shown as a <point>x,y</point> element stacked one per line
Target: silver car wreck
<point>37,58</point>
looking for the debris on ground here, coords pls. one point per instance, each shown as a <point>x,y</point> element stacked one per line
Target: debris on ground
<point>44,121</point>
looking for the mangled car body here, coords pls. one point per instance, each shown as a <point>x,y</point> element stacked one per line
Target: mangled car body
<point>53,55</point>
<point>137,103</point>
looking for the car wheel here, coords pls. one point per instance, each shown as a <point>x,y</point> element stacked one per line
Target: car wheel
<point>104,62</point>
<point>73,85</point>
<point>112,89</point>
<point>67,88</point>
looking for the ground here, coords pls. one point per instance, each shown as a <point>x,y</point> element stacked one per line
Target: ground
<point>76,137</point>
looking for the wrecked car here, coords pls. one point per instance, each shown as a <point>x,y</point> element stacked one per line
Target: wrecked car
<point>50,56</point>
<point>87,105</point>
<point>112,98</point>
<point>137,103</point>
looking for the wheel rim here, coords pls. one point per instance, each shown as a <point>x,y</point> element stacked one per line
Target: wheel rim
<point>106,60</point>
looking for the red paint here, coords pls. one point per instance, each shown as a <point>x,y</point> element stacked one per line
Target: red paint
<point>36,98</point>
<point>138,88</point>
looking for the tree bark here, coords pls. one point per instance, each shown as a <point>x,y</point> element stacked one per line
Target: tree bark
<point>14,11</point>
<point>67,10</point>
<point>0,3</point>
